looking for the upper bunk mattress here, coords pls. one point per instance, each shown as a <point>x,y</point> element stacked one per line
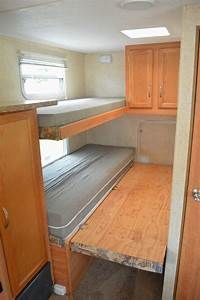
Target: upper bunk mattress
<point>70,111</point>
<point>76,183</point>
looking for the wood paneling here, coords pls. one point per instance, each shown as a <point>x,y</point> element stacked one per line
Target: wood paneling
<point>131,225</point>
<point>22,225</point>
<point>68,267</point>
<point>168,64</point>
<point>188,287</point>
<point>59,264</point>
<point>140,78</point>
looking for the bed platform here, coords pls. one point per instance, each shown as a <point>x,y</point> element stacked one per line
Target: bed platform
<point>71,117</point>
<point>129,227</point>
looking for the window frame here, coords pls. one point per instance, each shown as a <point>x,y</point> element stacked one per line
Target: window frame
<point>42,61</point>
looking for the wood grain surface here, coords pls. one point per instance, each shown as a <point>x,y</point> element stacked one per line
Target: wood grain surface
<point>68,267</point>
<point>131,226</point>
<point>91,122</point>
<point>152,78</point>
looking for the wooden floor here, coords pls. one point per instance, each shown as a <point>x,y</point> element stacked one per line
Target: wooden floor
<point>131,226</point>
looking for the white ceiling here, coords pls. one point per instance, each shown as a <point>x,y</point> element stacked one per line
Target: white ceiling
<point>86,25</point>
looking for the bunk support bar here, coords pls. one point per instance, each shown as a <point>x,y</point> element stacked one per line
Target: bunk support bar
<point>62,132</point>
<point>94,121</point>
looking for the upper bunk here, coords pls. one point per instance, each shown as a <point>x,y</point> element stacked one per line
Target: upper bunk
<point>71,117</point>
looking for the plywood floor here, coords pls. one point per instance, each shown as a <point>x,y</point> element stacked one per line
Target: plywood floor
<point>131,226</point>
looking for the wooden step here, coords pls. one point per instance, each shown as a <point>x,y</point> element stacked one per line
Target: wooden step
<point>131,226</point>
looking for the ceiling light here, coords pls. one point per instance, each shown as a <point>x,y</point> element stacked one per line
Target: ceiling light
<point>136,4</point>
<point>146,32</point>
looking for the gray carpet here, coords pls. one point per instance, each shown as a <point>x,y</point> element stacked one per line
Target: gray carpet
<point>111,281</point>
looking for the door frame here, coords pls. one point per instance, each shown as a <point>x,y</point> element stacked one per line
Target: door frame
<point>194,100</point>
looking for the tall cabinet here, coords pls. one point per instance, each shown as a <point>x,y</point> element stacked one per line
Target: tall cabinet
<point>152,73</point>
<point>23,225</point>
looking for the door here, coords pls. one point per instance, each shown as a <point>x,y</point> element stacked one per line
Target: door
<point>168,68</point>
<point>140,78</point>
<point>22,226</point>
<point>188,287</point>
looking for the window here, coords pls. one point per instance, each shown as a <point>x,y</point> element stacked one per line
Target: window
<point>42,79</point>
<point>51,150</point>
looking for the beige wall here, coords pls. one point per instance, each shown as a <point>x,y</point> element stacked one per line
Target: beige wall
<point>9,76</point>
<point>76,142</point>
<point>191,18</point>
<point>105,80</point>
<point>139,132</point>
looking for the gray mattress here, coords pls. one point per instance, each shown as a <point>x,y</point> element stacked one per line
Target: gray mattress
<point>76,183</point>
<point>69,111</point>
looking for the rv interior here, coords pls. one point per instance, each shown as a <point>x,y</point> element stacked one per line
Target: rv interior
<point>99,149</point>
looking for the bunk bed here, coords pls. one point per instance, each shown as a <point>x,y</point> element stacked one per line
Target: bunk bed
<point>71,117</point>
<point>99,202</point>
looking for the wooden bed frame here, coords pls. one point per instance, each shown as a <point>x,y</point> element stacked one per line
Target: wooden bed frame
<point>130,227</point>
<point>62,132</point>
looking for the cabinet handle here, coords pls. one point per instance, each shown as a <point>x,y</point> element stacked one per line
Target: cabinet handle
<point>5,217</point>
<point>161,91</point>
<point>149,92</point>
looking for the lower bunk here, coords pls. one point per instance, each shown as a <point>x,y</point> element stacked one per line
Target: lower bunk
<point>130,225</point>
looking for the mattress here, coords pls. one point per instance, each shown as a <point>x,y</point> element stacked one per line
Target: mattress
<point>77,183</point>
<point>69,111</point>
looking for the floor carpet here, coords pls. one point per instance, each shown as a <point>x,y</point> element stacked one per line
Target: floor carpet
<point>111,281</point>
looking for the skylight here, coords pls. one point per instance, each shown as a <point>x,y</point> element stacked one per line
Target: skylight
<point>146,32</point>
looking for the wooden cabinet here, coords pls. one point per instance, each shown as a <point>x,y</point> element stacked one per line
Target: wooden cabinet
<point>22,217</point>
<point>140,68</point>
<point>152,73</point>
<point>168,69</point>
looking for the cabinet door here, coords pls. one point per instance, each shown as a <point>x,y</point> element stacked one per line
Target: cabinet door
<point>21,201</point>
<point>168,77</point>
<point>140,78</point>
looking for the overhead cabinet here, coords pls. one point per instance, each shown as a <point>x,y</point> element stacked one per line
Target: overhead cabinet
<point>140,78</point>
<point>152,73</point>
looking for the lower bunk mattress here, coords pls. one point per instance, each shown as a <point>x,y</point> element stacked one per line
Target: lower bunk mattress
<point>77,183</point>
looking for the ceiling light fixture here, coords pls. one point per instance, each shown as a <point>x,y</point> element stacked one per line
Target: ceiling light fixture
<point>136,4</point>
<point>146,32</point>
